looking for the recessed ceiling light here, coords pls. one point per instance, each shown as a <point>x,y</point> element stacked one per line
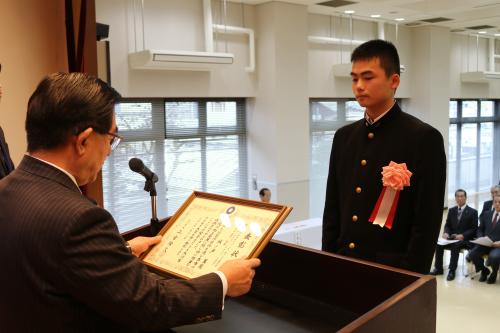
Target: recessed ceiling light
<point>375,15</point>
<point>399,19</point>
<point>349,11</point>
<point>481,32</point>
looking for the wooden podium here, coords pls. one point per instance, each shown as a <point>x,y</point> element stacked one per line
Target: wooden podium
<point>298,289</point>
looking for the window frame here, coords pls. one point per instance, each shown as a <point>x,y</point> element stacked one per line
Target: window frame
<point>459,121</point>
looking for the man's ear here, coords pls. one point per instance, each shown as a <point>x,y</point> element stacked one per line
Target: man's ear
<point>395,81</point>
<point>81,142</point>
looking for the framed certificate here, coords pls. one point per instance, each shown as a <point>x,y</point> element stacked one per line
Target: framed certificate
<point>209,229</point>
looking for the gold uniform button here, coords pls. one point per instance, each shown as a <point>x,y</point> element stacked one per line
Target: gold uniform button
<point>363,162</point>
<point>354,218</point>
<point>358,189</point>
<point>371,135</point>
<point>352,245</point>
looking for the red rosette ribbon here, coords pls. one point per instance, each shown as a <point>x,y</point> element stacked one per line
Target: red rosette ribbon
<point>395,177</point>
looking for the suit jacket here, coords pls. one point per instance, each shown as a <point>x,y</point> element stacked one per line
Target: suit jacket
<point>65,267</point>
<point>486,207</point>
<point>486,227</point>
<point>467,225</point>
<point>6,164</point>
<point>359,151</point>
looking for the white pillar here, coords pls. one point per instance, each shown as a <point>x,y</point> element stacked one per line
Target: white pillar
<point>430,78</point>
<point>278,120</point>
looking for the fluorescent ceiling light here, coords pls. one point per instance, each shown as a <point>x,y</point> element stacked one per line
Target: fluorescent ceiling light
<point>399,19</point>
<point>481,32</point>
<point>375,15</point>
<point>349,11</point>
<point>497,35</point>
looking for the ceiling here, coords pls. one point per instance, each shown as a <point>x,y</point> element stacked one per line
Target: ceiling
<point>462,13</point>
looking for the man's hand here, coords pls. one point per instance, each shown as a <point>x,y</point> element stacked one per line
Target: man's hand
<point>140,244</point>
<point>239,274</point>
<point>445,235</point>
<point>496,244</point>
<point>459,237</point>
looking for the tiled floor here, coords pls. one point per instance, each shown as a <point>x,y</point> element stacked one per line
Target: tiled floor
<point>466,305</point>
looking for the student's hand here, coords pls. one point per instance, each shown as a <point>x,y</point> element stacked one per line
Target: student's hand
<point>496,244</point>
<point>459,237</point>
<point>445,235</point>
<point>140,244</point>
<point>239,274</point>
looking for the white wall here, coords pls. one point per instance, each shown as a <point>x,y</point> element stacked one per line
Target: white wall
<point>290,70</point>
<point>322,57</point>
<point>278,117</point>
<point>175,25</point>
<point>33,40</point>
<point>464,56</point>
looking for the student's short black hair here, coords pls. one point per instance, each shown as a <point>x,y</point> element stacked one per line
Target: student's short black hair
<point>263,190</point>
<point>461,190</point>
<point>383,50</point>
<point>66,104</point>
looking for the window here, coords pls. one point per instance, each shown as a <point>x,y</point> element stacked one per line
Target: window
<point>190,144</point>
<point>326,118</point>
<point>473,156</point>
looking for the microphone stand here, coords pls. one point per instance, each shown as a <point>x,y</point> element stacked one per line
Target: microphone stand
<point>150,187</point>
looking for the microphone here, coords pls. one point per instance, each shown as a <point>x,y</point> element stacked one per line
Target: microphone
<point>138,166</point>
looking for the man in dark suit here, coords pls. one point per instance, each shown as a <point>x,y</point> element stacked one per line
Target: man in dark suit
<point>360,151</point>
<point>6,164</point>
<point>461,225</point>
<point>65,266</point>
<point>488,205</point>
<point>489,226</point>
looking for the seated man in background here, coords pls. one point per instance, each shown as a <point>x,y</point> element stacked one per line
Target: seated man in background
<point>69,269</point>
<point>488,204</point>
<point>265,194</point>
<point>461,224</point>
<point>489,226</point>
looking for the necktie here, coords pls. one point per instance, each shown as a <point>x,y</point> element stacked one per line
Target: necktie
<point>459,213</point>
<point>494,223</point>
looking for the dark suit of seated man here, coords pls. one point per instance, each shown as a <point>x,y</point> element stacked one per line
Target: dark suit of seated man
<point>65,267</point>
<point>489,226</point>
<point>461,224</point>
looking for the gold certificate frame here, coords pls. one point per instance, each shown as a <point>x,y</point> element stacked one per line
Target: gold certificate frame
<point>209,229</point>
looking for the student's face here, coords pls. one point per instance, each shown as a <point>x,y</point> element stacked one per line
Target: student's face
<point>460,198</point>
<point>370,85</point>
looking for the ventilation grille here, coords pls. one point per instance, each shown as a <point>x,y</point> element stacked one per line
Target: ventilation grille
<point>336,3</point>
<point>413,24</point>
<point>436,20</point>
<point>480,27</point>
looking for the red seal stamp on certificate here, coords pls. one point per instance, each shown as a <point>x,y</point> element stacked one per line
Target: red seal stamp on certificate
<point>395,177</point>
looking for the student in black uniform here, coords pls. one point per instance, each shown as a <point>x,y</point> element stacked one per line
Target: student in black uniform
<point>360,151</point>
<point>6,165</point>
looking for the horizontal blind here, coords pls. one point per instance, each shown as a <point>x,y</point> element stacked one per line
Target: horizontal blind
<point>191,144</point>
